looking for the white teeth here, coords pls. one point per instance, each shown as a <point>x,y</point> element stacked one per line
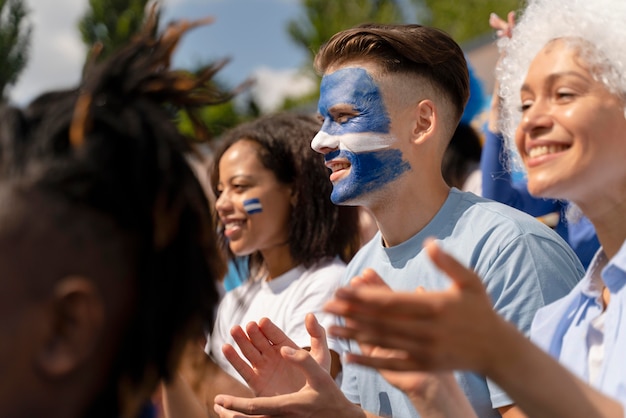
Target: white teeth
<point>231,225</point>
<point>538,151</point>
<point>337,166</point>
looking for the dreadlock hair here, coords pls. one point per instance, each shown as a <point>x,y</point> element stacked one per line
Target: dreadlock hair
<point>317,228</point>
<point>108,156</point>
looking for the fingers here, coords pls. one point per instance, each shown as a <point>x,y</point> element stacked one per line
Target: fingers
<point>314,328</point>
<point>275,334</point>
<point>372,301</point>
<point>249,344</point>
<point>243,368</point>
<point>221,408</point>
<point>503,27</point>
<point>368,278</point>
<point>317,377</point>
<point>319,344</point>
<point>510,17</point>
<point>496,21</point>
<point>411,339</point>
<point>315,374</point>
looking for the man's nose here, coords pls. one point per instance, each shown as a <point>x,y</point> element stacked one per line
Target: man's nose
<point>324,143</point>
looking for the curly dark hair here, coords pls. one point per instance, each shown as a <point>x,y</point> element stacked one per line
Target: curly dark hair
<point>318,228</point>
<point>107,169</point>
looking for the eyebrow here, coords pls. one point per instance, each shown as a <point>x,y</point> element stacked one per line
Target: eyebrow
<point>343,107</point>
<point>237,176</point>
<point>555,76</point>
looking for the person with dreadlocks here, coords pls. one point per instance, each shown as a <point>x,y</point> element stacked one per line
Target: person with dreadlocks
<point>95,185</point>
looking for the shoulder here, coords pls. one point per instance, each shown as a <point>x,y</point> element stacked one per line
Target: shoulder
<point>497,213</point>
<point>501,225</point>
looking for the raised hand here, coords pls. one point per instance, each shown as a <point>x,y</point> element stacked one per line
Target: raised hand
<point>434,331</point>
<point>504,28</point>
<point>434,394</point>
<point>319,396</point>
<point>267,372</point>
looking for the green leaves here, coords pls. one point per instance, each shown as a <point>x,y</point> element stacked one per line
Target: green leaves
<point>15,35</point>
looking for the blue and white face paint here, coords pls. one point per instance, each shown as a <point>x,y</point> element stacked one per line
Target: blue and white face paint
<point>361,138</point>
<point>252,206</point>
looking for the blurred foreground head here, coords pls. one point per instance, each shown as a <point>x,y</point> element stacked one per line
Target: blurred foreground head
<point>107,252</point>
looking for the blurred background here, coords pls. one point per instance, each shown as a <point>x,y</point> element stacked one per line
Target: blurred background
<point>44,43</point>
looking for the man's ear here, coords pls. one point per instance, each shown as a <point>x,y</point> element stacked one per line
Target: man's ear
<point>76,323</point>
<point>426,119</point>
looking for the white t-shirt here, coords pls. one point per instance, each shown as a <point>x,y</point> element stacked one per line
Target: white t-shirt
<point>285,300</point>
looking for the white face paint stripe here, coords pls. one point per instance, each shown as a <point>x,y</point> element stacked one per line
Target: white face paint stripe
<point>355,142</point>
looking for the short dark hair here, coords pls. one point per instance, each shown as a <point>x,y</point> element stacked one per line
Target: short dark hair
<point>413,49</point>
<point>318,228</point>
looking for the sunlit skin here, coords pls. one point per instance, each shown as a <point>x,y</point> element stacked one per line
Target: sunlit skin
<point>356,137</point>
<point>573,131</point>
<point>243,177</point>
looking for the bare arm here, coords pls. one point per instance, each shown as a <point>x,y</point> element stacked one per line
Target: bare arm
<point>544,388</point>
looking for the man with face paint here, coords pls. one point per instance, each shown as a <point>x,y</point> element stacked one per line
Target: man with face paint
<point>390,98</point>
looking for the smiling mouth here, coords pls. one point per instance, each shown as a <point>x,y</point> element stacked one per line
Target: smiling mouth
<point>542,150</point>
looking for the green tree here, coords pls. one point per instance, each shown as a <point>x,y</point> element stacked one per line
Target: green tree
<point>463,20</point>
<point>323,18</point>
<point>111,23</point>
<point>15,35</point>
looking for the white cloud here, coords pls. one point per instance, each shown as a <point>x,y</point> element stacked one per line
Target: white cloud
<point>272,87</point>
<point>56,53</point>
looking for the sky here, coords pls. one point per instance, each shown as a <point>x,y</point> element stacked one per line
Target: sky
<point>252,33</point>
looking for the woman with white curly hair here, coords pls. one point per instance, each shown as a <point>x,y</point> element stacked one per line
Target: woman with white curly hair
<point>563,90</point>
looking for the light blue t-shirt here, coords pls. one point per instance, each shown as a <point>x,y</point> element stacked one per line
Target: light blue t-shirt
<point>562,327</point>
<point>524,266</point>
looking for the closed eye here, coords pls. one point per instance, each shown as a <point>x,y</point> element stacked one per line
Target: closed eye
<point>564,95</point>
<point>342,118</point>
<point>342,113</point>
<point>525,106</point>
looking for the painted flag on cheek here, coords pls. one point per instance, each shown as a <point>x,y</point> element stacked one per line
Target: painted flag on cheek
<point>252,206</point>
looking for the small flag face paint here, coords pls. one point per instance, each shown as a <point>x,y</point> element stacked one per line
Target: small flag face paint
<point>252,206</point>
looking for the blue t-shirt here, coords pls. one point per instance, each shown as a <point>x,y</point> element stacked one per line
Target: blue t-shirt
<point>562,327</point>
<point>523,263</point>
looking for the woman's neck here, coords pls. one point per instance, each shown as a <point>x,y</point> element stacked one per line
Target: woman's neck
<point>278,261</point>
<point>608,221</point>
